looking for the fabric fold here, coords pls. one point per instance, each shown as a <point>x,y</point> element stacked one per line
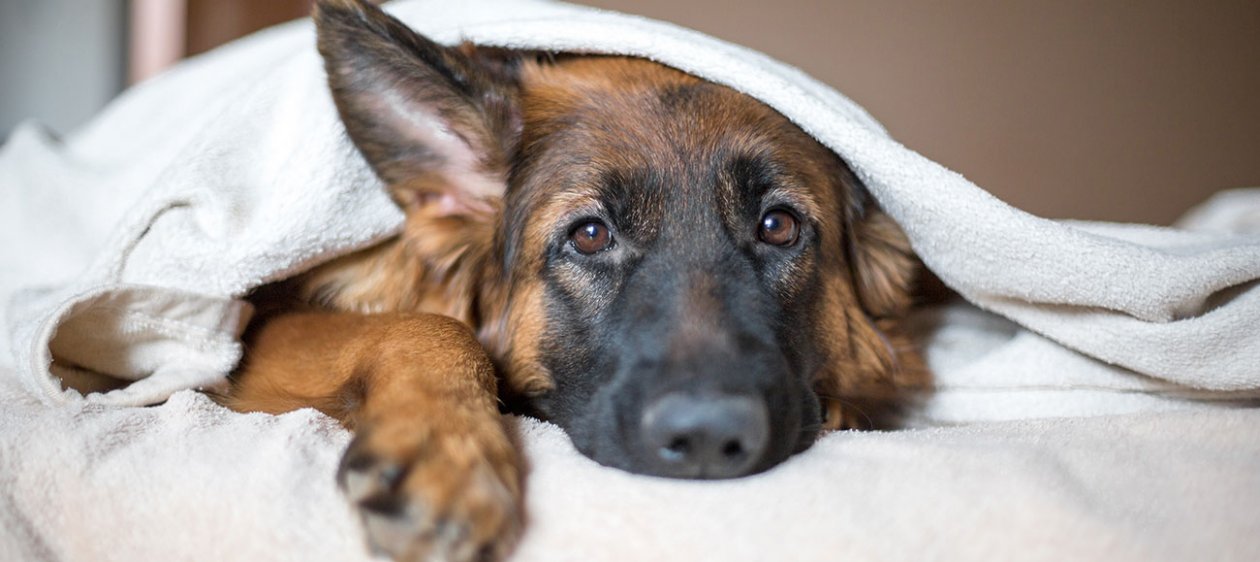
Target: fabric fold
<point>244,148</point>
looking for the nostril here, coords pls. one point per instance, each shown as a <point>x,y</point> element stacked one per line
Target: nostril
<point>706,436</point>
<point>677,449</point>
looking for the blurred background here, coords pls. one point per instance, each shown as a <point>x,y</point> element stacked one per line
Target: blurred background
<point>1089,109</point>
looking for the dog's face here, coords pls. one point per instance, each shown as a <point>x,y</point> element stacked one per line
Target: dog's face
<point>679,237</point>
<point>670,270</point>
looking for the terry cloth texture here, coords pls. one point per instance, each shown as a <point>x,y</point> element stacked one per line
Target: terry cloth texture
<point>133,239</point>
<point>188,480</point>
<point>128,245</point>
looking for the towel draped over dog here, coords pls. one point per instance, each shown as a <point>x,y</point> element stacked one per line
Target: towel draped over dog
<point>129,245</point>
<point>132,241</point>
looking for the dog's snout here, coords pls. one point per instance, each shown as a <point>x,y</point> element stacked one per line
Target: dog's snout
<point>698,436</point>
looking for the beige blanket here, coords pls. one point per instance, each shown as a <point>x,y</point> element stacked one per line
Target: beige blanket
<point>188,480</point>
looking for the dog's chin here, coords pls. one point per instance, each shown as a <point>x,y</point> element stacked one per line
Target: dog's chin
<point>643,464</point>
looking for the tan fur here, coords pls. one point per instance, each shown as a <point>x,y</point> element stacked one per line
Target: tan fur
<point>434,266</point>
<point>415,387</point>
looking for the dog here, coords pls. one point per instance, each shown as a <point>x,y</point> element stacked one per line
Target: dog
<point>671,271</point>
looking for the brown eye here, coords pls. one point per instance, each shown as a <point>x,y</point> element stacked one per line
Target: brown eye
<point>778,228</point>
<point>591,237</point>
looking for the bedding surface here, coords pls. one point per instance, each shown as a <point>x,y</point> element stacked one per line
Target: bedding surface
<point>188,480</point>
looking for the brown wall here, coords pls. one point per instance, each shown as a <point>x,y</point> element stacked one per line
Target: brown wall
<point>214,22</point>
<point>1107,109</point>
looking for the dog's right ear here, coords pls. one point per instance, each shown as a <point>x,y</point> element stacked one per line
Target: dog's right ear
<point>438,124</point>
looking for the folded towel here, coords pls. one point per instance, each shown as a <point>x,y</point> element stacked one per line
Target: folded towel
<point>138,234</point>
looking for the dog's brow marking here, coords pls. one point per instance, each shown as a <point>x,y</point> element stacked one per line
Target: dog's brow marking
<point>560,208</point>
<point>802,199</point>
<point>571,200</point>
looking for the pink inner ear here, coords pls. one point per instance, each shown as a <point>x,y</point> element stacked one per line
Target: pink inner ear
<point>443,204</point>
<point>458,162</point>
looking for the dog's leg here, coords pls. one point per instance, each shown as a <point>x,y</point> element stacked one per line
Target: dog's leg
<point>431,469</point>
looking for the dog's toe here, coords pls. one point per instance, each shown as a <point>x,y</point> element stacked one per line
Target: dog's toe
<point>443,497</point>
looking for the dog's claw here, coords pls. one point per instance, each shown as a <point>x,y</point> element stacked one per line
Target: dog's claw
<point>440,497</point>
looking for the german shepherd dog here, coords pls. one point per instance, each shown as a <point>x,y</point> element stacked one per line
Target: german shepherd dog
<point>672,272</point>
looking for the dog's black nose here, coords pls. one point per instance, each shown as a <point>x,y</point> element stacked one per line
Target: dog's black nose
<point>715,436</point>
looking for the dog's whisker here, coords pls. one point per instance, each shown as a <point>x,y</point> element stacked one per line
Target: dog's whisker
<point>849,405</point>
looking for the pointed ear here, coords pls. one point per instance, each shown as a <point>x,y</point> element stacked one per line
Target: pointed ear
<point>438,124</point>
<point>883,264</point>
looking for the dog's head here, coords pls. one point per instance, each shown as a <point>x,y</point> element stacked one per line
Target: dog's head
<point>668,269</point>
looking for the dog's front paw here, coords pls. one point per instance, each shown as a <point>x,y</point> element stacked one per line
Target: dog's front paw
<point>431,491</point>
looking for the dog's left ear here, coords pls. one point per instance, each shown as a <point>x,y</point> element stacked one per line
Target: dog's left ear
<point>438,124</point>
<point>865,390</point>
<point>882,262</point>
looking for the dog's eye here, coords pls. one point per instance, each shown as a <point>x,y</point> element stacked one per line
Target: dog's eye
<point>591,237</point>
<point>778,227</point>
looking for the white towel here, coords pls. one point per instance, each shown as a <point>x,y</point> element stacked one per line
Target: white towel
<point>130,243</point>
